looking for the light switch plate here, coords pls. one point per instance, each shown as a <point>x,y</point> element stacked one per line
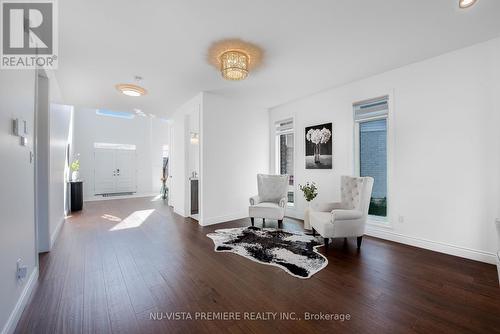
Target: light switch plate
<point>21,270</point>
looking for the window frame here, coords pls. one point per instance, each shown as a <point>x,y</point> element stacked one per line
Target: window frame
<point>379,221</point>
<point>277,154</point>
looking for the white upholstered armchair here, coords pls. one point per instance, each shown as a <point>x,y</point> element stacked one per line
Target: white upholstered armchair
<point>272,198</point>
<point>347,218</point>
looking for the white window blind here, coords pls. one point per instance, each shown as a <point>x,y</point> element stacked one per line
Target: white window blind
<point>371,109</point>
<point>284,127</point>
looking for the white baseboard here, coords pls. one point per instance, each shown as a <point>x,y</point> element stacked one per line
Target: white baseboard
<point>54,235</point>
<point>100,198</point>
<point>14,317</point>
<point>388,234</point>
<point>435,246</point>
<point>223,219</point>
<point>182,214</point>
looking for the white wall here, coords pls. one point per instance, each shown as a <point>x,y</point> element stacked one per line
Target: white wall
<point>90,128</point>
<point>180,154</point>
<point>60,123</point>
<point>232,149</point>
<point>194,148</point>
<point>42,162</point>
<point>445,179</point>
<point>234,139</point>
<point>160,136</point>
<point>17,225</point>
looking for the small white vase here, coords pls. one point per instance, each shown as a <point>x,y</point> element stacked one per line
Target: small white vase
<point>307,224</point>
<point>75,175</point>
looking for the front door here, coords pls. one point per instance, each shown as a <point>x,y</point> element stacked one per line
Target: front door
<point>104,171</point>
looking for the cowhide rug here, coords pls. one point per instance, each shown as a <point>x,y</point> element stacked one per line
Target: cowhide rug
<point>293,252</point>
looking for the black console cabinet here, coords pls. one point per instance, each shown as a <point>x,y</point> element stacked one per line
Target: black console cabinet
<point>194,197</point>
<point>76,190</point>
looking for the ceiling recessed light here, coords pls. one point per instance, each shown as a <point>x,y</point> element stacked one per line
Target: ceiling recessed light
<point>466,3</point>
<point>131,90</point>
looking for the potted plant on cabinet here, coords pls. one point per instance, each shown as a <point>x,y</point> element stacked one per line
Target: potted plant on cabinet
<point>75,168</point>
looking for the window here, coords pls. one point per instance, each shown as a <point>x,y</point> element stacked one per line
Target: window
<point>115,114</point>
<point>371,146</point>
<point>112,146</point>
<point>284,154</point>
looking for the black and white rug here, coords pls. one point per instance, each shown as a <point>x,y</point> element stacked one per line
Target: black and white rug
<point>293,252</point>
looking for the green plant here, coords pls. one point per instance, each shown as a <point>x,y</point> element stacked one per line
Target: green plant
<point>310,191</point>
<point>75,165</point>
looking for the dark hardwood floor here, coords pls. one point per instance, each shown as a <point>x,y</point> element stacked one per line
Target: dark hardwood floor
<point>106,276</point>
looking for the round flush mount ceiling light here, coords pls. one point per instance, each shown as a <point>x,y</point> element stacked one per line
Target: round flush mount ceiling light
<point>466,3</point>
<point>131,89</point>
<point>234,58</point>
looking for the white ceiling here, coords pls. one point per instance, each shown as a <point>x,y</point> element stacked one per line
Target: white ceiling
<point>309,45</point>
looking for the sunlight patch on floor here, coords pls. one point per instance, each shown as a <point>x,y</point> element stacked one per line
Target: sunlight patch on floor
<point>111,218</point>
<point>157,198</point>
<point>135,220</point>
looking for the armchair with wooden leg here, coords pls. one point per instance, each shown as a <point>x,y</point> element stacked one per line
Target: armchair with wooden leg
<point>348,217</point>
<point>272,199</point>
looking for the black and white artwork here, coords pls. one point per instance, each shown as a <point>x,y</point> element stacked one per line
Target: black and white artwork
<point>319,146</point>
<point>293,252</point>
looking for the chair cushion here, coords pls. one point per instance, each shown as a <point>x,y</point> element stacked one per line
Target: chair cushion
<point>272,188</point>
<point>346,214</point>
<point>321,222</point>
<point>320,216</point>
<point>266,210</point>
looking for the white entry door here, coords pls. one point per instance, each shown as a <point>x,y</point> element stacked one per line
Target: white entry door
<point>125,171</point>
<point>114,171</point>
<point>104,167</point>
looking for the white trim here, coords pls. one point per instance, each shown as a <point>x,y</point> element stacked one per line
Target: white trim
<point>54,235</point>
<point>223,219</point>
<point>112,146</point>
<point>391,144</point>
<point>182,214</point>
<point>276,153</point>
<point>14,317</point>
<point>109,198</point>
<point>378,221</point>
<point>435,246</point>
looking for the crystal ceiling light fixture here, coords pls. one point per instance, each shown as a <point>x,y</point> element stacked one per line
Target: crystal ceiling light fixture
<point>466,3</point>
<point>234,65</point>
<point>132,89</point>
<point>234,58</point>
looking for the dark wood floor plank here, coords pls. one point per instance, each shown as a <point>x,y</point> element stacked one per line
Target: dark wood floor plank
<point>110,271</point>
<point>95,309</point>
